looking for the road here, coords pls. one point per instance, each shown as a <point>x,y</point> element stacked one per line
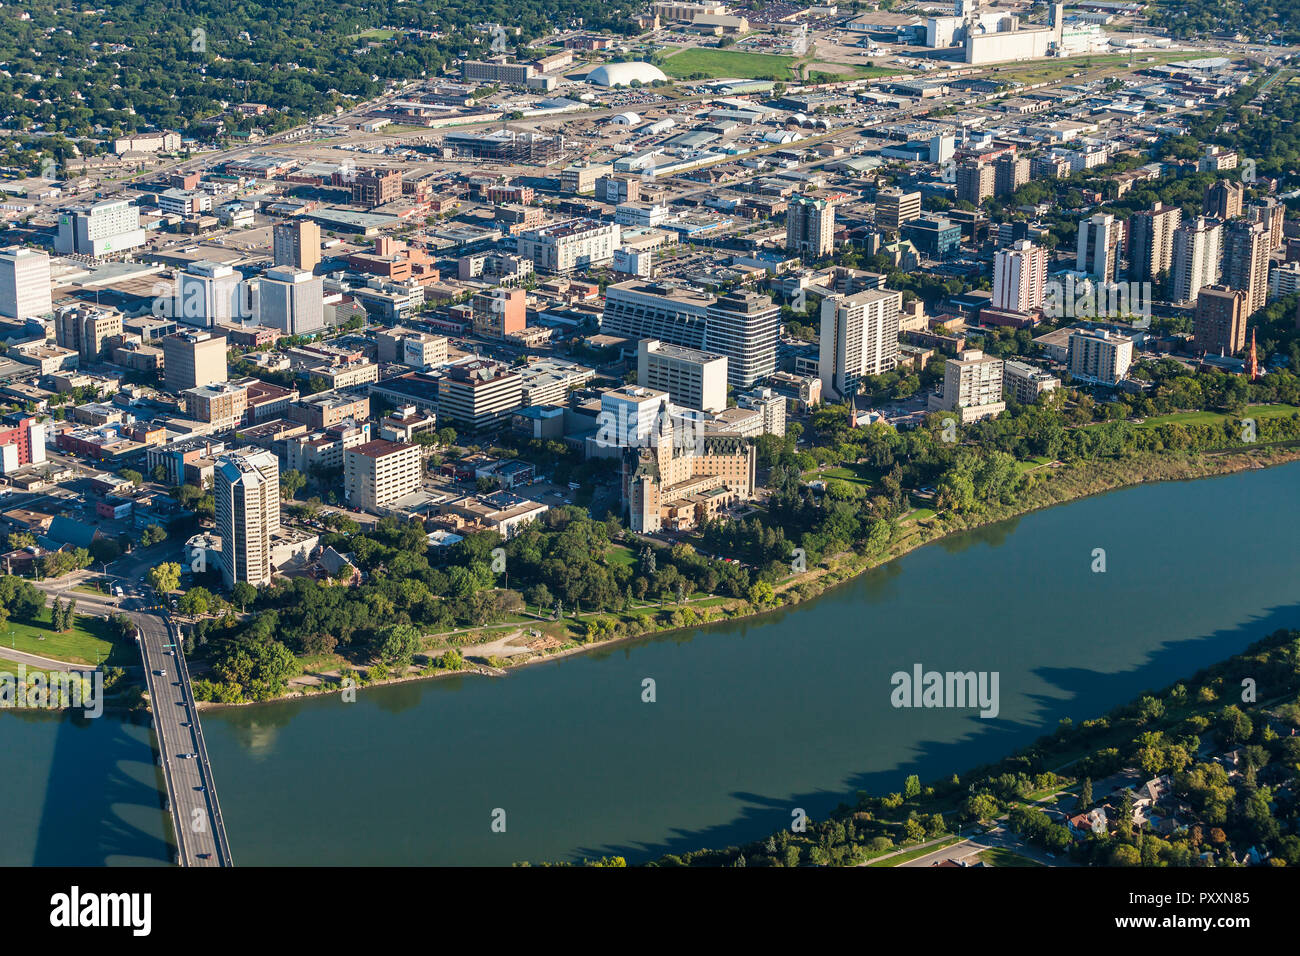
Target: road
<point>191,793</point>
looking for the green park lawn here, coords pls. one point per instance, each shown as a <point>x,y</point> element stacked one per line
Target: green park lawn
<point>720,64</point>
<point>1000,856</point>
<point>1206,418</point>
<point>619,556</point>
<point>90,640</point>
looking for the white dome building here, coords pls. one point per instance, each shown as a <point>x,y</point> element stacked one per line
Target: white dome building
<point>622,74</point>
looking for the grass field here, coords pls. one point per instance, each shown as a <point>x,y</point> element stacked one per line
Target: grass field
<point>854,476</point>
<point>90,640</point>
<point>1206,418</point>
<point>619,556</point>
<point>1000,856</point>
<point>720,64</point>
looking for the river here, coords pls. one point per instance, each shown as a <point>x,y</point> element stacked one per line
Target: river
<point>751,719</point>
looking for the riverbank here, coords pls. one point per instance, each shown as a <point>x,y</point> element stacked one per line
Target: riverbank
<point>1055,484</point>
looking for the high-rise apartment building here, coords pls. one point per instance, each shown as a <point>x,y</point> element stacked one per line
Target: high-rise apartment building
<point>1245,261</point>
<point>1220,322</point>
<point>1019,277</point>
<point>810,227</point>
<point>291,300</point>
<point>1100,356</point>
<point>1010,172</point>
<point>296,244</point>
<point>972,386</point>
<point>379,472</point>
<point>1151,242</point>
<point>564,247</point>
<point>859,337</point>
<point>1272,214</point>
<point>1224,199</point>
<point>24,283</point>
<point>1099,245</point>
<point>975,181</point>
<point>247,492</point>
<point>192,359</point>
<point>1196,258</point>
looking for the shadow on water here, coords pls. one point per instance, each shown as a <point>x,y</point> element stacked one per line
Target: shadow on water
<point>103,799</point>
<point>983,742</point>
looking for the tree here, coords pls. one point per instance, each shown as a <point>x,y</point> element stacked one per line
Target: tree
<point>243,594</point>
<point>152,535</point>
<point>133,476</point>
<point>105,550</point>
<point>396,645</point>
<point>911,787</point>
<point>291,482</point>
<point>195,602</point>
<point>1085,794</point>
<point>165,577</point>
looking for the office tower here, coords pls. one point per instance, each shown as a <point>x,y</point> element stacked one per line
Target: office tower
<point>1099,356</point>
<point>972,386</point>
<point>247,492</point>
<point>859,337</point>
<point>1099,243</point>
<point>478,395</point>
<point>208,294</point>
<point>1019,277</point>
<point>296,244</point>
<point>1220,323</point>
<point>1151,242</point>
<point>632,415</point>
<point>691,378</point>
<point>24,283</point>
<point>1010,172</point>
<point>99,229</point>
<point>291,301</point>
<point>975,181</point>
<point>745,327</point>
<point>1245,261</point>
<point>379,472</point>
<point>1223,199</point>
<point>86,329</point>
<point>1196,258</point>
<point>810,227</point>
<point>193,359</point>
<point>499,312</point>
<point>1272,214</point>
<point>895,207</point>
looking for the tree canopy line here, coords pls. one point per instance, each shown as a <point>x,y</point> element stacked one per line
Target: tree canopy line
<point>72,78</point>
